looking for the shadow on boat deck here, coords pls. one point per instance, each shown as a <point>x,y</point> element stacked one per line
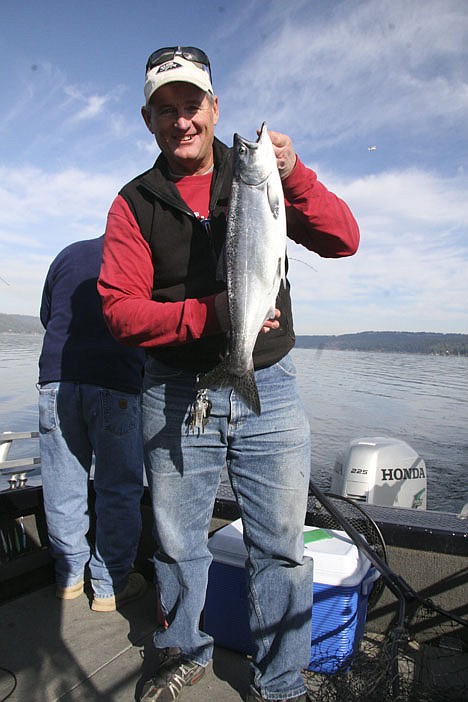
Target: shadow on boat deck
<point>63,651</point>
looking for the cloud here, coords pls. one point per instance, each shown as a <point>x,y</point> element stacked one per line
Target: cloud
<point>336,77</point>
<point>371,66</point>
<point>28,90</point>
<point>21,294</point>
<point>40,214</point>
<point>30,196</point>
<point>408,273</point>
<point>50,119</point>
<point>94,106</point>
<point>412,195</point>
<point>82,106</point>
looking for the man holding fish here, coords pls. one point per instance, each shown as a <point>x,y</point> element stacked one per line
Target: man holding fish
<point>194,271</point>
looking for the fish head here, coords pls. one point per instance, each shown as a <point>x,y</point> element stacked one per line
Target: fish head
<point>253,161</point>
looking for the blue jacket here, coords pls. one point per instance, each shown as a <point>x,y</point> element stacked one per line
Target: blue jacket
<point>77,344</point>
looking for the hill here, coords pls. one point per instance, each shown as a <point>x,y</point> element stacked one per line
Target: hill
<point>20,324</point>
<point>390,342</point>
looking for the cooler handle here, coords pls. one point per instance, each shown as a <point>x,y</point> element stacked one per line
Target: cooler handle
<point>372,575</point>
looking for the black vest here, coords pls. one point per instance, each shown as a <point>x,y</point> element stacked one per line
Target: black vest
<point>185,258</point>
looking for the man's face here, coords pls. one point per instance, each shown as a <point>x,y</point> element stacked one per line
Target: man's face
<point>182,119</point>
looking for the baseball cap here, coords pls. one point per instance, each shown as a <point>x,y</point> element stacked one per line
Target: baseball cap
<point>177,69</point>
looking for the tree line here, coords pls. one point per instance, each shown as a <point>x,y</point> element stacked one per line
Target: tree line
<point>391,342</point>
<point>388,341</point>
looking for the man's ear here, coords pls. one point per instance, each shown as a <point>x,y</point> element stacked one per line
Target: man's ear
<point>216,110</point>
<point>145,113</point>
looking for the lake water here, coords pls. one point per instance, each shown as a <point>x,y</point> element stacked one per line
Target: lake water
<point>420,399</point>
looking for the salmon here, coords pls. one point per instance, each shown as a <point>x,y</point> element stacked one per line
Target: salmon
<point>255,255</point>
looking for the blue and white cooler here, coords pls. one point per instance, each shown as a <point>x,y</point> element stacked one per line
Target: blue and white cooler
<point>343,579</point>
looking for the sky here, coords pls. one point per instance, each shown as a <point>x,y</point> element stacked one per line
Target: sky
<point>373,93</point>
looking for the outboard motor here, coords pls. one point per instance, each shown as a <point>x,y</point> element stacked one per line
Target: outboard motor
<point>381,471</point>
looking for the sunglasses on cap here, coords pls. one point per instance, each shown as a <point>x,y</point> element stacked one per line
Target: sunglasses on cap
<point>190,53</point>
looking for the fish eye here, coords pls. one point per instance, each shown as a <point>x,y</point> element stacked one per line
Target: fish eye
<point>242,149</point>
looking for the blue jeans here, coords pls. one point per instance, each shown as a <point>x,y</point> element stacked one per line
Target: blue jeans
<point>268,460</point>
<point>75,421</point>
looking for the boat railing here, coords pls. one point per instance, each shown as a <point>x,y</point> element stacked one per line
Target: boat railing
<point>23,532</point>
<point>16,470</point>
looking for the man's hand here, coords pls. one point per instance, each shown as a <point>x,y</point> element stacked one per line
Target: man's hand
<point>222,312</point>
<point>284,151</point>
<point>272,323</point>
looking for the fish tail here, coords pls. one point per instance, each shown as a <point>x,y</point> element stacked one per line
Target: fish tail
<point>244,385</point>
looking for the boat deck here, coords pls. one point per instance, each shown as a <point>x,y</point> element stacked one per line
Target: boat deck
<point>52,650</point>
<point>62,650</point>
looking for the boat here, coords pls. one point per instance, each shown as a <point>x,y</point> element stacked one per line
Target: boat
<point>53,650</point>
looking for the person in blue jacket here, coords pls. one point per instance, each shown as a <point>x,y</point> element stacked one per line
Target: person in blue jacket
<point>89,405</point>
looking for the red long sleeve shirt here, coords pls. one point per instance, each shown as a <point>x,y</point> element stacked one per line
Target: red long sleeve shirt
<point>316,218</point>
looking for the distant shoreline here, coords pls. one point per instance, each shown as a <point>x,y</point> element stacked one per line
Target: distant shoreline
<point>388,341</point>
<point>20,324</point>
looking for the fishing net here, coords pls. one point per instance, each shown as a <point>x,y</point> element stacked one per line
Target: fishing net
<point>423,654</point>
<point>318,515</point>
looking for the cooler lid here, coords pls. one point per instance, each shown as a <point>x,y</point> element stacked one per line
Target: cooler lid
<point>227,545</point>
<point>337,560</point>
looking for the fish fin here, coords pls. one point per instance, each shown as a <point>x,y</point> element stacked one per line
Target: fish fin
<point>273,200</point>
<point>281,271</point>
<point>246,387</point>
<point>262,131</point>
<point>219,377</point>
<point>280,275</point>
<point>243,385</point>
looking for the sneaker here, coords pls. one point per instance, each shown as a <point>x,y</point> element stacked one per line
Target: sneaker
<point>172,675</point>
<point>71,592</point>
<point>254,696</point>
<point>134,588</point>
